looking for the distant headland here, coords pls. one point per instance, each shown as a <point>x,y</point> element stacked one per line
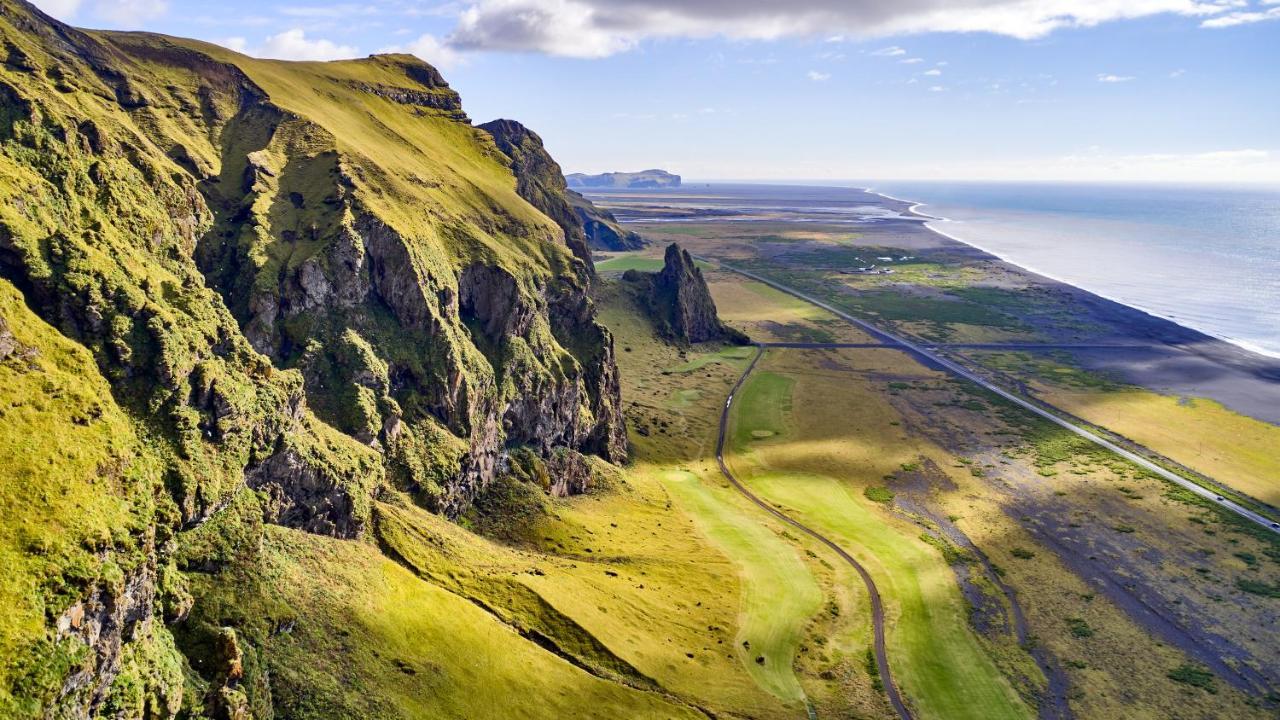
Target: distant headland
<point>642,179</point>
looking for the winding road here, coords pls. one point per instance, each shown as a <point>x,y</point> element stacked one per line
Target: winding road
<point>930,354</point>
<point>877,606</point>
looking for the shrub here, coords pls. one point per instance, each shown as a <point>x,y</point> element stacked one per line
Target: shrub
<point>873,670</point>
<point>1256,587</point>
<point>1195,676</point>
<point>1079,628</point>
<point>1249,558</point>
<point>878,494</point>
<point>1022,553</point>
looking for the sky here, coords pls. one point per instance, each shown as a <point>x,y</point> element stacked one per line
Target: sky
<point>1067,90</point>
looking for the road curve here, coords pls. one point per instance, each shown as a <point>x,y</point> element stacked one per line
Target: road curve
<point>877,607</point>
<point>928,354</point>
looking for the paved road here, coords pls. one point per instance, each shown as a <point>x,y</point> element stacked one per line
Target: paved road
<point>963,346</point>
<point>929,354</point>
<point>1050,346</point>
<point>877,607</point>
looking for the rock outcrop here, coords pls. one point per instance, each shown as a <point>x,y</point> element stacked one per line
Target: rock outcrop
<point>602,229</point>
<point>540,181</point>
<point>679,302</point>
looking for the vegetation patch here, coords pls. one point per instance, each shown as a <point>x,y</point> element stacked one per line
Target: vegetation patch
<point>1256,587</point>
<point>1079,628</point>
<point>878,493</point>
<point>1194,676</point>
<point>952,554</point>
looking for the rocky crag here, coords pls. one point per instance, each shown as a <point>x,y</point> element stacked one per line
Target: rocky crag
<point>602,229</point>
<point>251,292</point>
<point>679,302</point>
<point>541,182</point>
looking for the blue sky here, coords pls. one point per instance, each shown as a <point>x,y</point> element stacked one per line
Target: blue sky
<point>1139,90</point>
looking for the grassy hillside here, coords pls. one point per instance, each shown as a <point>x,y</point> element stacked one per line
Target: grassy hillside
<point>241,296</point>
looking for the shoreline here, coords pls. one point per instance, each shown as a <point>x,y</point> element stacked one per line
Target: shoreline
<point>928,219</point>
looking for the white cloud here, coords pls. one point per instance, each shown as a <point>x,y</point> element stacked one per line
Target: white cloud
<point>62,9</point>
<point>428,47</point>
<point>936,88</point>
<point>556,27</point>
<point>121,13</point>
<point>1109,78</point>
<point>911,61</point>
<point>1242,17</point>
<point>295,45</point>
<point>1177,73</point>
<point>597,28</point>
<point>816,76</point>
<point>934,72</point>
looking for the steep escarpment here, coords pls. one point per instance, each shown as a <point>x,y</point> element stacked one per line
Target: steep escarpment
<point>540,180</point>
<point>224,282</point>
<point>601,227</point>
<point>679,302</point>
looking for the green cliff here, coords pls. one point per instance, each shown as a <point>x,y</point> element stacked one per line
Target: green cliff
<point>241,298</point>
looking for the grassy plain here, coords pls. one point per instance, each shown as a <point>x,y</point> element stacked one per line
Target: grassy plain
<point>1199,433</point>
<point>767,315</point>
<point>815,464</point>
<point>803,618</point>
<point>780,594</point>
<point>365,637</point>
<point>1004,484</point>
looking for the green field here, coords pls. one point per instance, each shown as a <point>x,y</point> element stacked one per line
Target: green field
<point>937,660</point>
<point>779,593</point>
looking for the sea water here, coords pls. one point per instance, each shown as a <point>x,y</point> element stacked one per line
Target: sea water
<point>1205,257</point>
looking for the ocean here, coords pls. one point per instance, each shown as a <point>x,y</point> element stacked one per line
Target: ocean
<point>1205,258</point>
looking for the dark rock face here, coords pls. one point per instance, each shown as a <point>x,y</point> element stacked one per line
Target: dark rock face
<point>540,181</point>
<point>680,303</point>
<point>601,227</point>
